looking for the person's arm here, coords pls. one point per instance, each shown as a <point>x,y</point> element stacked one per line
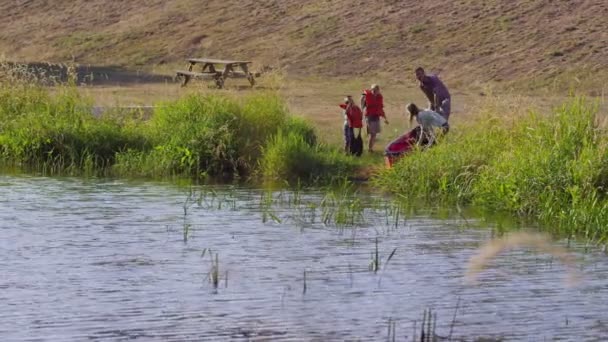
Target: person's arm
<point>362,102</point>
<point>382,114</point>
<point>429,95</point>
<point>349,114</point>
<point>345,113</point>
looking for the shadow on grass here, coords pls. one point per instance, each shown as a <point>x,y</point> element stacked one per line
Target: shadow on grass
<point>92,74</point>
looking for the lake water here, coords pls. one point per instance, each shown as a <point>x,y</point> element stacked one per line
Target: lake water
<point>106,260</point>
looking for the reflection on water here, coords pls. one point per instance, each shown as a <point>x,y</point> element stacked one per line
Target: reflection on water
<point>106,260</point>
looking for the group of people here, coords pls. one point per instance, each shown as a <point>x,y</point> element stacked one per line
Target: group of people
<point>372,109</point>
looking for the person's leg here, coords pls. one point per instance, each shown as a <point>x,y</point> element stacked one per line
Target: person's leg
<point>445,128</point>
<point>372,140</point>
<point>347,138</point>
<point>351,139</point>
<point>370,133</point>
<point>357,142</point>
<point>373,128</point>
<point>429,137</point>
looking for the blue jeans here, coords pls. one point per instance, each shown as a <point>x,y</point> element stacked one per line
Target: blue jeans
<point>349,135</point>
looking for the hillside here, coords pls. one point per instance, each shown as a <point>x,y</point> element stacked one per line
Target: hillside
<point>538,41</point>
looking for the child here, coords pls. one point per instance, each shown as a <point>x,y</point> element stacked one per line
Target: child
<point>353,119</point>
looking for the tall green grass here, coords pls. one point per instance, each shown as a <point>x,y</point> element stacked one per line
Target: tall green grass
<point>290,155</point>
<point>53,133</point>
<point>197,135</point>
<point>206,134</point>
<point>550,167</point>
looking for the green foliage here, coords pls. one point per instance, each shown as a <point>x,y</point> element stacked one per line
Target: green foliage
<point>446,171</point>
<point>302,128</point>
<point>553,168</point>
<point>292,155</point>
<point>210,134</point>
<point>57,132</point>
<point>195,136</point>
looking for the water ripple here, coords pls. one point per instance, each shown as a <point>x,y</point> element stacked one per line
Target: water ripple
<point>106,261</point>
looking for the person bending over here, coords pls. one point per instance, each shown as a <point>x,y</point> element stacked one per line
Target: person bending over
<point>428,120</point>
<point>436,92</point>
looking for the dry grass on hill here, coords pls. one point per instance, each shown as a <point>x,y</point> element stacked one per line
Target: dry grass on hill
<point>532,43</point>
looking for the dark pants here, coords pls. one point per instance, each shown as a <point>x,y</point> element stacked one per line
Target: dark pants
<point>349,135</point>
<point>444,108</point>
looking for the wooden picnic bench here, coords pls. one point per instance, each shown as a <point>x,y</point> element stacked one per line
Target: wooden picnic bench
<point>209,71</point>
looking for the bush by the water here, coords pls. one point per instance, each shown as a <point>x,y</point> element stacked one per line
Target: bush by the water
<point>210,134</point>
<point>291,155</point>
<point>552,167</point>
<point>195,135</point>
<point>58,132</point>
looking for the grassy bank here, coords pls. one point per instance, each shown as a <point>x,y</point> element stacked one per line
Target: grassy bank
<point>553,168</point>
<point>198,135</point>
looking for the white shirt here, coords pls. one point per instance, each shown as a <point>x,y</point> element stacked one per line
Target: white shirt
<point>429,119</point>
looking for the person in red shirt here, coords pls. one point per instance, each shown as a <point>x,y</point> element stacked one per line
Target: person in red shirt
<point>353,120</point>
<point>373,105</point>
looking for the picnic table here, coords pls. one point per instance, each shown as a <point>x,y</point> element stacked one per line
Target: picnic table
<point>210,70</point>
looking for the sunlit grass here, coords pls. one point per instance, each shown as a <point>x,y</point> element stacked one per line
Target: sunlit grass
<point>552,167</point>
<point>197,135</point>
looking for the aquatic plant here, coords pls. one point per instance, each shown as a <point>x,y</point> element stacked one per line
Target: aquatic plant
<point>392,328</point>
<point>375,262</point>
<point>266,203</point>
<point>214,271</point>
<point>429,325</point>
<point>190,200</point>
<point>342,205</point>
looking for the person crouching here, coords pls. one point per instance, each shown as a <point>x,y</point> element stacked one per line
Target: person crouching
<point>428,120</point>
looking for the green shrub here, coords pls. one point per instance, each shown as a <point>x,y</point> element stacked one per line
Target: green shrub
<point>194,136</point>
<point>57,132</point>
<point>291,156</point>
<point>553,168</point>
<point>446,171</point>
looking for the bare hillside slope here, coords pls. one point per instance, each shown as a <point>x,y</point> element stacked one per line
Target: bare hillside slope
<point>539,41</point>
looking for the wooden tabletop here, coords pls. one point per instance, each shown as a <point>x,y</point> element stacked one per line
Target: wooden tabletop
<point>215,61</point>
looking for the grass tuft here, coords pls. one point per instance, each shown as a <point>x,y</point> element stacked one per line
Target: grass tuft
<point>293,155</point>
